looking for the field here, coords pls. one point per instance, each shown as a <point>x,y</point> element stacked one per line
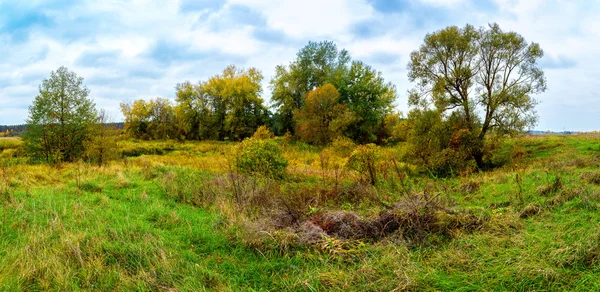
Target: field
<point>172,217</point>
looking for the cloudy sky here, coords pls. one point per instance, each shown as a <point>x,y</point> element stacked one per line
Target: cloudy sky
<point>131,49</point>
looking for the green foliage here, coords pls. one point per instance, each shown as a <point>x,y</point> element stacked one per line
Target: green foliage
<point>60,118</point>
<point>472,71</point>
<point>193,111</point>
<point>260,156</point>
<point>370,99</point>
<point>394,129</point>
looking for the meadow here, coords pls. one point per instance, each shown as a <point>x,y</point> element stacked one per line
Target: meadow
<point>175,216</point>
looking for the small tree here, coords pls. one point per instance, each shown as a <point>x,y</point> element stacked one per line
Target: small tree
<point>60,118</point>
<point>487,75</point>
<point>101,146</point>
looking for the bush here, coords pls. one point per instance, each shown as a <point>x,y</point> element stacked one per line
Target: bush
<point>260,156</point>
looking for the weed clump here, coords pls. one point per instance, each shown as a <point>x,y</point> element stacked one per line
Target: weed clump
<point>470,187</point>
<point>551,188</point>
<point>530,210</point>
<point>592,177</point>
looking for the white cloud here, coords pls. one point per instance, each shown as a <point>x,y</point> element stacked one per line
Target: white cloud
<point>117,39</point>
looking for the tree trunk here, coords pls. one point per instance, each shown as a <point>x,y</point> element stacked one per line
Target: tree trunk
<point>478,156</point>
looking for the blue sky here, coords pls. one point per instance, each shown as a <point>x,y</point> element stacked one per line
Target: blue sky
<point>134,49</point>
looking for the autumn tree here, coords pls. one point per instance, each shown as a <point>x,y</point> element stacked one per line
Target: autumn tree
<point>101,146</point>
<point>60,118</point>
<point>322,118</point>
<point>486,76</point>
<point>362,89</point>
<point>316,64</point>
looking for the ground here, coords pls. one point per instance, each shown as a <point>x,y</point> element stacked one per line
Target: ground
<point>129,226</point>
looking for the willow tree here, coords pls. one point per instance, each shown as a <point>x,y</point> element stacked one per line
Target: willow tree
<point>486,76</point>
<point>60,118</point>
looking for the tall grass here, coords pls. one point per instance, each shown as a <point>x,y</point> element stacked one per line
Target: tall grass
<point>181,220</point>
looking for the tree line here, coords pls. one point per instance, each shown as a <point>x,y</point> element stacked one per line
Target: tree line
<point>319,96</point>
<point>470,85</point>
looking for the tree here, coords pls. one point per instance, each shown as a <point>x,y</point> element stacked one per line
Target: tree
<point>362,89</point>
<point>162,119</point>
<point>60,118</point>
<point>316,65</point>
<point>193,111</point>
<point>322,118</point>
<point>153,119</point>
<point>101,145</point>
<point>234,98</point>
<point>370,98</point>
<point>475,71</point>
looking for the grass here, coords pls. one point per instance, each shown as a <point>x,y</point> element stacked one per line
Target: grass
<point>166,220</point>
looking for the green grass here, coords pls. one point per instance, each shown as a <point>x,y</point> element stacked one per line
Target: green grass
<point>114,228</point>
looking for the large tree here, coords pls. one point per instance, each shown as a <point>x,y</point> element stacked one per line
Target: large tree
<point>362,89</point>
<point>193,111</point>
<point>316,65</point>
<point>60,118</point>
<point>486,74</point>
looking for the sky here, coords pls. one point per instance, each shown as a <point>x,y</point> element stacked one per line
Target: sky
<point>140,49</point>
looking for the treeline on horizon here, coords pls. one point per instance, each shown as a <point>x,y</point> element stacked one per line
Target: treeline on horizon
<point>472,86</point>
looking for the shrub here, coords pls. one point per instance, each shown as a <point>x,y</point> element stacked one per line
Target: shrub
<point>262,133</point>
<point>260,156</point>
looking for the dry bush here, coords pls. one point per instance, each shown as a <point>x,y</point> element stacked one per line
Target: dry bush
<point>502,224</point>
<point>584,162</point>
<point>188,186</point>
<point>581,254</point>
<point>414,219</point>
<point>263,157</point>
